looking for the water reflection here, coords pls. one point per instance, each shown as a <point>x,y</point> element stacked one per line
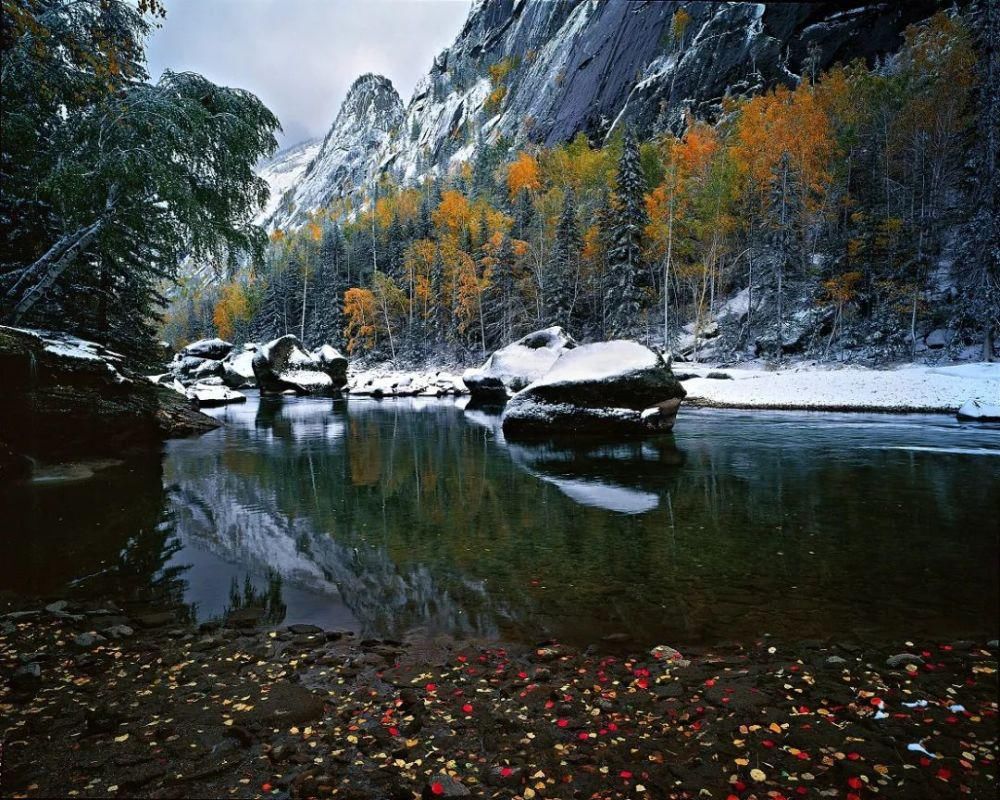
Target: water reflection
<point>389,516</point>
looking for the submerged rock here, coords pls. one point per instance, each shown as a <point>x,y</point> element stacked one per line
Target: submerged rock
<point>283,365</point>
<point>617,387</point>
<point>513,367</point>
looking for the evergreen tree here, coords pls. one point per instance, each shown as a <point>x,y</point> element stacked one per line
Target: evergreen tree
<point>562,283</point>
<point>629,219</point>
<point>126,176</point>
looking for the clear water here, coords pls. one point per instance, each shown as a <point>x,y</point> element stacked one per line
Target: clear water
<point>395,516</point>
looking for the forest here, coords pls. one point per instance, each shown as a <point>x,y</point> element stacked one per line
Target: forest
<point>842,211</point>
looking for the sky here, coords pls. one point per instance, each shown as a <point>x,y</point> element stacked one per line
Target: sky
<point>301,56</point>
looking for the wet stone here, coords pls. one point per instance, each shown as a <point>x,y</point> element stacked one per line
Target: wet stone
<point>300,629</point>
<point>27,678</point>
<point>902,659</point>
<point>444,786</point>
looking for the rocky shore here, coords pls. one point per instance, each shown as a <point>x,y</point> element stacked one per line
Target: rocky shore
<point>98,701</point>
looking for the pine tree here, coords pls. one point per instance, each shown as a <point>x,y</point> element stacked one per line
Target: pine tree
<point>625,254</point>
<point>562,284</point>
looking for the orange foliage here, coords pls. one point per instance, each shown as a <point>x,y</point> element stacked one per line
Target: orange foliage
<point>231,308</point>
<point>523,174</point>
<point>785,121</point>
<point>360,312</point>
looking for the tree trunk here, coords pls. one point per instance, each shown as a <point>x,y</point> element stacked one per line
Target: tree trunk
<point>40,276</point>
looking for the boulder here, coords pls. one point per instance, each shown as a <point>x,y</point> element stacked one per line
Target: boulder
<point>513,367</point>
<point>979,411</point>
<point>66,398</point>
<point>214,349</point>
<point>207,395</point>
<point>237,368</point>
<point>333,363</point>
<point>614,388</point>
<point>283,365</point>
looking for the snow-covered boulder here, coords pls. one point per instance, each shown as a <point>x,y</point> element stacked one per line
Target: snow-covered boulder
<point>283,365</point>
<point>513,367</point>
<point>207,395</point>
<point>215,349</point>
<point>406,384</point>
<point>237,368</point>
<point>333,363</point>
<point>979,411</point>
<point>609,387</point>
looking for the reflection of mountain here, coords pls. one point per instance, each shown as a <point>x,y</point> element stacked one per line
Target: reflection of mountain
<point>581,472</point>
<point>282,503</point>
<point>415,513</point>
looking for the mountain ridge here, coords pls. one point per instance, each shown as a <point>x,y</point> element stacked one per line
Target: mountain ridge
<point>522,72</point>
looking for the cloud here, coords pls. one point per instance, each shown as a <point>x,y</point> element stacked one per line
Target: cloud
<point>301,56</point>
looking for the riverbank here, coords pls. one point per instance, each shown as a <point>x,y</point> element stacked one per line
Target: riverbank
<point>817,387</point>
<point>102,703</point>
<point>806,386</point>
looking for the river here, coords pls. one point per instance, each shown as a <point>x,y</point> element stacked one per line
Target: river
<point>397,517</point>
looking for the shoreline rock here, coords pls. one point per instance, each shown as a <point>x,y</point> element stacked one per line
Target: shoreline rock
<point>512,368</point>
<point>66,397</point>
<point>607,388</point>
<point>283,365</point>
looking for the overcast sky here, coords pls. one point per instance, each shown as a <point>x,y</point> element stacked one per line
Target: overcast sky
<point>301,56</point>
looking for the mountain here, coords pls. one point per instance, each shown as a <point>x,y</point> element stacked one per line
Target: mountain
<point>529,71</point>
<point>369,115</point>
<point>283,170</point>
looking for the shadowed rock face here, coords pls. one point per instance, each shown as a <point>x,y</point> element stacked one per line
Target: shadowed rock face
<point>65,397</point>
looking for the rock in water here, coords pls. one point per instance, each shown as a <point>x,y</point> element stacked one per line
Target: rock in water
<point>284,365</point>
<point>617,387</point>
<point>237,368</point>
<point>66,397</point>
<point>979,411</point>
<point>333,363</point>
<point>213,349</point>
<point>207,396</point>
<point>513,367</point>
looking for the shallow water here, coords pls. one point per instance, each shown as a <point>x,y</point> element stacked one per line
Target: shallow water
<point>395,516</point>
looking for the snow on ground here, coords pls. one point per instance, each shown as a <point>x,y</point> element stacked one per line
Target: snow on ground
<point>907,388</point>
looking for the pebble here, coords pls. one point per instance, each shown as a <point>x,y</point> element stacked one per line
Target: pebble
<point>902,659</point>
<point>27,677</point>
<point>88,639</point>
<point>119,631</point>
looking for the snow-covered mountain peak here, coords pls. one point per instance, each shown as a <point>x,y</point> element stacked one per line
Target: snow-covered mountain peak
<point>370,114</point>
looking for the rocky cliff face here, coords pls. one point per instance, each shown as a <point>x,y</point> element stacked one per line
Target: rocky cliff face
<point>370,114</point>
<point>561,68</point>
